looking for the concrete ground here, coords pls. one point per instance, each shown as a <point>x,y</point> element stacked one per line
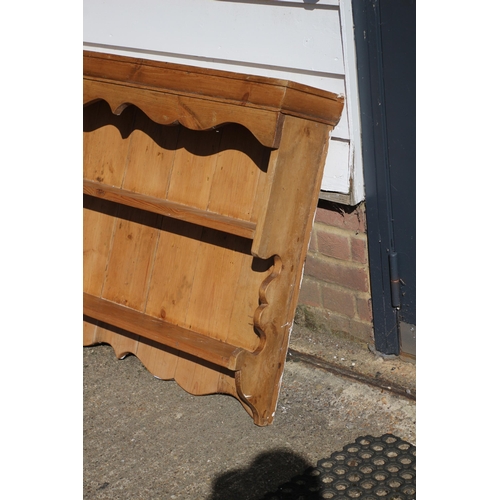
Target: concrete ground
<point>148,439</point>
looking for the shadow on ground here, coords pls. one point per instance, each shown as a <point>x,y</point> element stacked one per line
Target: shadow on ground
<point>265,474</point>
<point>370,467</point>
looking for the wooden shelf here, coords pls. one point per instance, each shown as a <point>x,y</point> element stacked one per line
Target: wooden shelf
<point>196,344</point>
<point>210,308</point>
<point>230,225</point>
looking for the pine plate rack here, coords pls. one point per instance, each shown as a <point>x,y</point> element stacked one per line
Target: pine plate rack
<point>200,188</point>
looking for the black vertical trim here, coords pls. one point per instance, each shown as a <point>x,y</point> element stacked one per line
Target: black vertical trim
<point>368,39</point>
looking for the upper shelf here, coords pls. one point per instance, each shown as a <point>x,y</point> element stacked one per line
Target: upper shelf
<point>231,225</point>
<point>186,95</point>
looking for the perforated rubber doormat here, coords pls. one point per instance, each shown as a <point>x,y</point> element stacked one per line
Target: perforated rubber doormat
<point>369,469</point>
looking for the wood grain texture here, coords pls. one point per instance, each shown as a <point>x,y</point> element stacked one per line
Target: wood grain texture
<point>89,333</point>
<point>179,211</point>
<point>200,98</point>
<point>193,112</point>
<point>215,85</point>
<point>104,151</point>
<point>188,341</point>
<point>99,222</point>
<point>151,149</point>
<point>131,258</point>
<point>122,341</point>
<point>284,234</point>
<point>195,238</point>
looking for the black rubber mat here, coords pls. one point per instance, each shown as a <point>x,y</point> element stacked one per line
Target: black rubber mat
<point>371,468</point>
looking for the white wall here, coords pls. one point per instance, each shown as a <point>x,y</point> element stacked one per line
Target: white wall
<point>308,41</point>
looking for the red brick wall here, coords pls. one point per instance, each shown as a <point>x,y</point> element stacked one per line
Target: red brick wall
<point>336,283</point>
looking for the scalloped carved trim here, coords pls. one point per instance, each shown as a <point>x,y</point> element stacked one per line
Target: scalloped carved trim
<point>263,298</point>
<point>195,113</point>
<point>263,359</point>
<point>159,363</point>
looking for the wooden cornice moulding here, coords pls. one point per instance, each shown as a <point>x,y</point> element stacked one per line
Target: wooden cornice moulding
<point>170,93</point>
<point>195,236</point>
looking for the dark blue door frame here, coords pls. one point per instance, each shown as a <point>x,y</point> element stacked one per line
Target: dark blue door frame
<point>384,33</point>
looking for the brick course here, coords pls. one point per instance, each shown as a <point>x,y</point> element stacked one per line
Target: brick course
<point>355,221</point>
<point>338,300</point>
<point>336,283</point>
<point>332,271</point>
<point>310,293</point>
<point>359,250</point>
<point>332,244</point>
<point>364,308</point>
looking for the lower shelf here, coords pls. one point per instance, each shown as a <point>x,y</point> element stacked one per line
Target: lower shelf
<point>196,344</point>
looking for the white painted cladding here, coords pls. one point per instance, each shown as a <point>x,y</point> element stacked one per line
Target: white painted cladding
<point>304,41</point>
